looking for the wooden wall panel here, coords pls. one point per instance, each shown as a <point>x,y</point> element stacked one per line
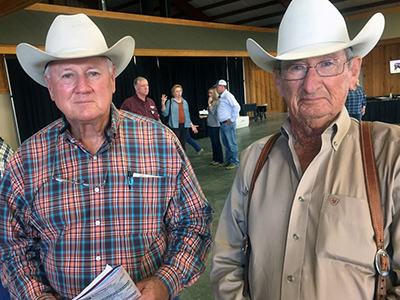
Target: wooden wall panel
<point>260,88</point>
<point>376,73</point>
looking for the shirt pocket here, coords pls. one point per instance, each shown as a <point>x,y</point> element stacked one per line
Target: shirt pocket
<point>345,231</point>
<point>146,203</point>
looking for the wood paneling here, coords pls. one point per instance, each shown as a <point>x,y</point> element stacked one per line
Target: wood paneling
<point>260,88</point>
<point>3,78</point>
<point>377,80</point>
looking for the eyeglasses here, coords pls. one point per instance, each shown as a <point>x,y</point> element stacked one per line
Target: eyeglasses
<point>76,181</point>
<point>327,68</point>
<point>84,176</point>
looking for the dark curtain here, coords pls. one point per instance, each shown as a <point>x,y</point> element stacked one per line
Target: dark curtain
<point>33,106</point>
<point>35,110</point>
<point>196,75</point>
<point>236,79</point>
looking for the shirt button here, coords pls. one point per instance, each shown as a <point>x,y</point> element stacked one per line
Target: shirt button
<point>290,278</point>
<point>97,223</point>
<point>335,143</point>
<point>296,236</point>
<point>96,189</point>
<point>98,258</point>
<point>301,199</point>
<point>95,157</point>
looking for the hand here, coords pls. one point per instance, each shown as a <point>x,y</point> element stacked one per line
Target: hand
<point>163,98</point>
<point>152,288</point>
<point>210,100</point>
<point>228,122</point>
<point>194,128</point>
<point>363,110</point>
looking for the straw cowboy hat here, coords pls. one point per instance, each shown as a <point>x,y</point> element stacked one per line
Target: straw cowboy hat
<point>73,36</point>
<point>312,28</point>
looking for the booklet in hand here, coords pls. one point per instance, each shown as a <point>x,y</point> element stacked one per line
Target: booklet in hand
<point>112,283</point>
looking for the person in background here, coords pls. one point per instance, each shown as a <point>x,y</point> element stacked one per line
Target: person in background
<point>356,101</point>
<point>194,144</point>
<point>139,103</point>
<point>228,112</point>
<point>177,111</point>
<point>308,227</point>
<point>213,127</point>
<point>99,185</point>
<point>5,154</point>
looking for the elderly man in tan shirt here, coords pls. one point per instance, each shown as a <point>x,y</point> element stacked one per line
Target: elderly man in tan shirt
<point>309,220</point>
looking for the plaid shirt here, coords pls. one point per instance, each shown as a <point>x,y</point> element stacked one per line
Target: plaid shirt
<point>5,154</point>
<point>356,99</point>
<point>65,213</point>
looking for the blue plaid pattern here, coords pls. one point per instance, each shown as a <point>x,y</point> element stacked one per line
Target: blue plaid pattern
<point>142,207</point>
<point>356,99</point>
<point>5,154</point>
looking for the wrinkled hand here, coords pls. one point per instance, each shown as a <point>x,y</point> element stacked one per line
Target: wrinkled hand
<point>152,288</point>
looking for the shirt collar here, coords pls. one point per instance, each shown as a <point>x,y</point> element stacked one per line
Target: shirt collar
<point>110,131</point>
<point>335,132</point>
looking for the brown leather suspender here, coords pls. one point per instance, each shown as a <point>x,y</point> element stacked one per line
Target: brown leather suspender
<point>382,261</point>
<point>246,240</point>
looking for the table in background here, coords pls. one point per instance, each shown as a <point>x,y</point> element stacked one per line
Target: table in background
<point>387,111</point>
<point>262,111</point>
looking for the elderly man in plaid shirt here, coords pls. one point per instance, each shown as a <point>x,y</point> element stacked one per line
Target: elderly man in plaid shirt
<point>98,186</point>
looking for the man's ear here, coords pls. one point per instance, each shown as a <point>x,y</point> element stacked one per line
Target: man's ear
<point>355,68</point>
<point>49,88</point>
<point>113,79</point>
<point>278,81</point>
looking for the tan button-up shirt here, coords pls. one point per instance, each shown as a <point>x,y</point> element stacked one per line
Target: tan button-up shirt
<point>311,233</point>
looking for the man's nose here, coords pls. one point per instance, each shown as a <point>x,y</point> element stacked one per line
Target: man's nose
<point>311,80</point>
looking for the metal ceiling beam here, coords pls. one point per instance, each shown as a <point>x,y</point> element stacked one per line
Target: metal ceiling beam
<point>210,6</point>
<point>263,17</point>
<point>368,5</point>
<point>125,5</point>
<point>285,3</point>
<point>246,9</point>
<point>192,12</point>
<point>218,4</point>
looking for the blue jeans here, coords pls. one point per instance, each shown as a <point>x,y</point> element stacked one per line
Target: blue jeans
<point>228,135</point>
<point>213,133</point>
<point>4,295</point>
<point>192,142</point>
<point>356,116</point>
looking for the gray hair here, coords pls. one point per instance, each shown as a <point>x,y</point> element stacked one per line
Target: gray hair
<point>137,79</point>
<point>47,72</point>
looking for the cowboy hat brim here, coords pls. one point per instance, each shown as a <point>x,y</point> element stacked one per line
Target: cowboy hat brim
<point>34,60</point>
<point>361,45</point>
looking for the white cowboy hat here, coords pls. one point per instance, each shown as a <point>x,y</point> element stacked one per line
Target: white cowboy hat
<point>312,28</point>
<point>73,36</point>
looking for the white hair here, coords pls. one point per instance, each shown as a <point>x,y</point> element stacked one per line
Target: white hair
<point>47,72</point>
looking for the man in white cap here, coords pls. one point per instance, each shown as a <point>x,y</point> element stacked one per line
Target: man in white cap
<point>228,112</point>
<point>98,186</point>
<point>307,231</point>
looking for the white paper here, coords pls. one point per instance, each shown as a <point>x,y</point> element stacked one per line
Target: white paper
<point>111,284</point>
